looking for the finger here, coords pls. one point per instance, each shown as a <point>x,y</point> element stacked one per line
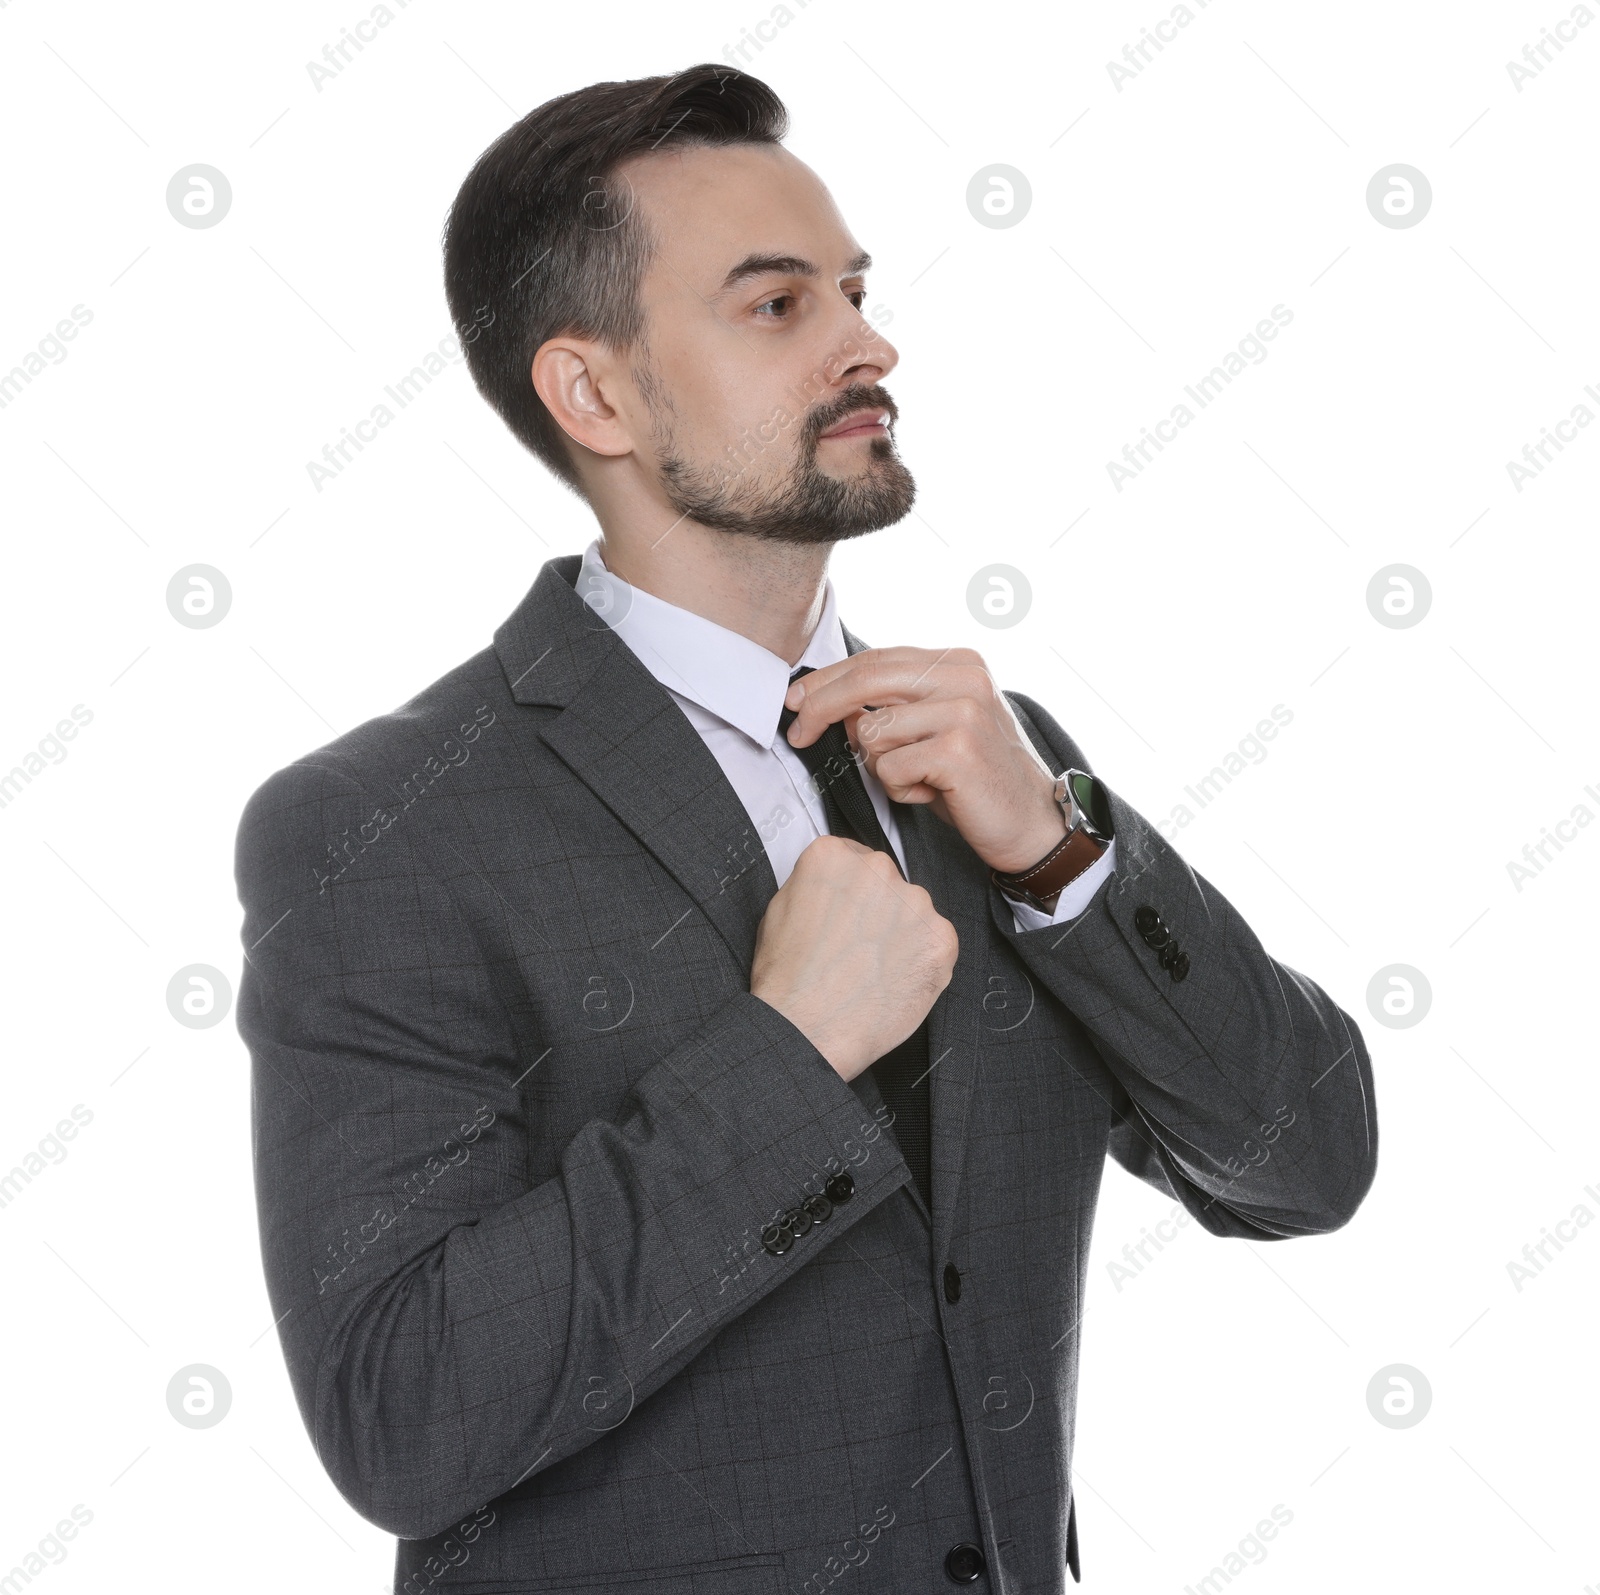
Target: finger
<point>919,793</point>
<point>858,683</point>
<point>920,771</point>
<point>843,841</point>
<point>867,656</point>
<point>875,732</point>
<point>885,665</point>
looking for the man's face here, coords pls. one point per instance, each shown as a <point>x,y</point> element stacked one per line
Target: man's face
<point>759,374</point>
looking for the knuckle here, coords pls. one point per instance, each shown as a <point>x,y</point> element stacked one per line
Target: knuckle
<point>825,857</point>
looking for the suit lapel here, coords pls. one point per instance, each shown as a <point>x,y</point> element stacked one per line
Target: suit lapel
<point>621,734</point>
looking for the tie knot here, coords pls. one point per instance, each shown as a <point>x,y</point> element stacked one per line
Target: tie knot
<point>835,772</point>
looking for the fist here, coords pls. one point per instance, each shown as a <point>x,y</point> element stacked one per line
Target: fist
<point>852,954</point>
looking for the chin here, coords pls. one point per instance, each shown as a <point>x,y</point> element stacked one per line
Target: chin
<point>811,506</point>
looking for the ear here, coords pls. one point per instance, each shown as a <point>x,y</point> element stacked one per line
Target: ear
<point>575,377</point>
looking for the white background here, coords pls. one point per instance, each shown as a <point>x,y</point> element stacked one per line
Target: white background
<point>1168,217</point>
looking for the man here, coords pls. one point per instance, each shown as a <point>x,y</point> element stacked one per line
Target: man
<point>681,1093</point>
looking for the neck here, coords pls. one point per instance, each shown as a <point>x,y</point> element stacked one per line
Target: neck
<point>770,592</point>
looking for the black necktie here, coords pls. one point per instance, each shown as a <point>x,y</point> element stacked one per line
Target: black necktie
<point>902,1074</point>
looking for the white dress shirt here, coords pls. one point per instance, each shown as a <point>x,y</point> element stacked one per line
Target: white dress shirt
<point>732,690</point>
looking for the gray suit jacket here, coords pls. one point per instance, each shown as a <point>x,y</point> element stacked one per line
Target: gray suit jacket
<point>519,1125</point>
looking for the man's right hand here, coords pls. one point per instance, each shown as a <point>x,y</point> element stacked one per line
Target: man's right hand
<point>851,954</point>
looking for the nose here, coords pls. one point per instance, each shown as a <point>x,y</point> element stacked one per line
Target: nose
<point>864,355</point>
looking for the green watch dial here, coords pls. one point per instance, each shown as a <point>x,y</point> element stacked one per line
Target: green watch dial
<point>1092,799</point>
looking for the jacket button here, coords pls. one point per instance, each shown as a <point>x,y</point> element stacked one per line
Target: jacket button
<point>1181,967</point>
<point>819,1207</point>
<point>952,1282</point>
<point>1145,919</point>
<point>777,1239</point>
<point>1157,936</point>
<point>963,1564</point>
<point>840,1188</point>
<point>797,1221</point>
<point>1170,954</point>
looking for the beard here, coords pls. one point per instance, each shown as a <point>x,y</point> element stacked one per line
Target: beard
<point>807,506</point>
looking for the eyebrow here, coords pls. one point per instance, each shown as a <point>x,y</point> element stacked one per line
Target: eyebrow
<point>785,265</point>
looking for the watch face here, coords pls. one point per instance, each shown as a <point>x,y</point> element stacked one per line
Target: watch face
<point>1091,798</point>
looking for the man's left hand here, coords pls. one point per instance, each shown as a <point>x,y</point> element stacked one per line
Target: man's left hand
<point>939,732</point>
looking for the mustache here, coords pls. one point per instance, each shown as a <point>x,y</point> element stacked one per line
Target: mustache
<point>859,397</point>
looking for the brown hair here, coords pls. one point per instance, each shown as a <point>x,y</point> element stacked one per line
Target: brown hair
<point>542,239</point>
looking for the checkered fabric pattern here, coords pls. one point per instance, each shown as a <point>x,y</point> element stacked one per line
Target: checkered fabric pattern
<point>519,1125</point>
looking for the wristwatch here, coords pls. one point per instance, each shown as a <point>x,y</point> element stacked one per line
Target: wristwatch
<point>1087,808</point>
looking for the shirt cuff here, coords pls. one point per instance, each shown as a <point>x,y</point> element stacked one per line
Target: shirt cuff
<point>1075,895</point>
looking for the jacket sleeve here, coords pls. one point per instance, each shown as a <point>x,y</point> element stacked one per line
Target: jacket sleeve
<point>451,1325</point>
<point>1242,1089</point>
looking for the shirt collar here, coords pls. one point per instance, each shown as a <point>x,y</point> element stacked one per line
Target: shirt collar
<point>724,672</point>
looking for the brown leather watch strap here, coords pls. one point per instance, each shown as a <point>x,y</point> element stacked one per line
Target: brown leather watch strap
<point>1063,864</point>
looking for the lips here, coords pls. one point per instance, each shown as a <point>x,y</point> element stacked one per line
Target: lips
<point>870,422</point>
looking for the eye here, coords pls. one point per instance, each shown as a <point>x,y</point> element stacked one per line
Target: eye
<point>857,297</point>
<point>781,299</point>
